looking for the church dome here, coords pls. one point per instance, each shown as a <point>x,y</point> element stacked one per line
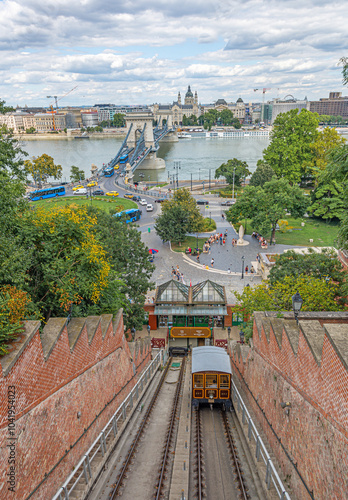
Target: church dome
<point>189,93</point>
<point>240,99</point>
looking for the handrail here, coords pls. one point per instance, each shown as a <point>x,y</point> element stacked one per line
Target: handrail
<point>83,468</point>
<point>261,451</point>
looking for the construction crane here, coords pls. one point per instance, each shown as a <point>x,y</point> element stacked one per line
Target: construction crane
<point>56,100</point>
<point>264,90</point>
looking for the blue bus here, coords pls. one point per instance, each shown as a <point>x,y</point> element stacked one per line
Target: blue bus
<point>124,158</point>
<point>42,194</point>
<point>109,171</point>
<point>131,215</point>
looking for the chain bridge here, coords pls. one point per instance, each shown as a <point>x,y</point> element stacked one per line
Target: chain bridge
<point>142,142</point>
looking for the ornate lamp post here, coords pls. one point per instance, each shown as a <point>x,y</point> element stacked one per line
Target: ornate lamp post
<point>243,258</point>
<point>296,305</point>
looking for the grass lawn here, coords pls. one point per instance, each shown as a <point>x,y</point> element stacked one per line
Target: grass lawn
<point>189,241</point>
<point>323,234</point>
<point>103,202</point>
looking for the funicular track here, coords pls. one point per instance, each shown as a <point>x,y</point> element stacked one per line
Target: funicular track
<point>167,446</point>
<point>203,459</point>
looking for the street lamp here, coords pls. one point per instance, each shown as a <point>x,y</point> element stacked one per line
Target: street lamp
<point>296,305</point>
<point>243,258</point>
<point>234,171</point>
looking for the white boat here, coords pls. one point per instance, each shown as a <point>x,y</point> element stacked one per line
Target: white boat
<point>184,135</point>
<point>238,133</point>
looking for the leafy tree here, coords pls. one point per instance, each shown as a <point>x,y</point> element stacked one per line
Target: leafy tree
<point>226,116</point>
<point>42,167</point>
<point>105,124</point>
<point>68,265</point>
<point>325,141</point>
<point>262,174</point>
<point>344,62</point>
<point>265,206</point>
<point>30,130</point>
<point>328,200</point>
<point>76,175</point>
<point>226,170</point>
<point>129,259</point>
<point>118,120</point>
<point>5,109</point>
<point>289,152</point>
<point>180,216</point>
<point>11,156</point>
<point>324,265</point>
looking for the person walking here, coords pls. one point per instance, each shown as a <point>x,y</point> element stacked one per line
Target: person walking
<point>212,262</point>
<point>246,269</point>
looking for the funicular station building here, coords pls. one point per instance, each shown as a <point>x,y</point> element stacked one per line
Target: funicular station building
<point>189,316</point>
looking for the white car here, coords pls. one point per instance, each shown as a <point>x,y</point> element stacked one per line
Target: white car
<point>81,191</point>
<point>142,202</point>
<point>149,207</point>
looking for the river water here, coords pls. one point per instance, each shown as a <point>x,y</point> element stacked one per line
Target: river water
<point>196,155</point>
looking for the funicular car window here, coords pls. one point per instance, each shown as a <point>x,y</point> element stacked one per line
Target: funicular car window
<point>224,380</point>
<point>211,380</point>
<point>198,380</point>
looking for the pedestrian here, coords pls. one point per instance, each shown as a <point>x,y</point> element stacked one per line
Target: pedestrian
<point>223,243</point>
<point>233,242</point>
<point>246,269</point>
<point>229,271</point>
<point>212,262</point>
<point>220,239</point>
<point>197,257</point>
<point>252,270</point>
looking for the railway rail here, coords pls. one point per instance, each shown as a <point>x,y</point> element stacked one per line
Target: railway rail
<point>200,486</point>
<point>120,481</point>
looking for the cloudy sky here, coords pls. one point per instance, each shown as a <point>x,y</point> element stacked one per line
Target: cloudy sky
<point>144,51</point>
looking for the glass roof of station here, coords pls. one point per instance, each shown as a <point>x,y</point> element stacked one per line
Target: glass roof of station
<point>205,292</point>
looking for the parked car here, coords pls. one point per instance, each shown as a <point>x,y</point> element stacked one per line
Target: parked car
<point>112,193</point>
<point>91,184</point>
<point>128,195</point>
<point>98,192</point>
<point>149,207</point>
<point>228,203</point>
<point>160,200</point>
<point>202,202</point>
<point>78,187</point>
<point>80,191</point>
<point>143,202</point>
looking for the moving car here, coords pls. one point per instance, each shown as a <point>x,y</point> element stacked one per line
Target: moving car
<point>149,207</point>
<point>112,193</point>
<point>80,191</point>
<point>160,200</point>
<point>128,195</point>
<point>136,198</point>
<point>202,202</point>
<point>116,167</point>
<point>143,202</point>
<point>98,192</point>
<point>91,184</point>
<point>78,187</point>
<point>228,203</point>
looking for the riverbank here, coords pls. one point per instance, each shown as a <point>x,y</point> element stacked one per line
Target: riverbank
<point>62,136</point>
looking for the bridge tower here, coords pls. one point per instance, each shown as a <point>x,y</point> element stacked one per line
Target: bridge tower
<point>138,120</point>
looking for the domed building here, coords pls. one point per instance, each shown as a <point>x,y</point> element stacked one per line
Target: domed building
<point>179,110</point>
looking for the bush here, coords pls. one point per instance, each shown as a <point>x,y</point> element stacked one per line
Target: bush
<point>13,308</point>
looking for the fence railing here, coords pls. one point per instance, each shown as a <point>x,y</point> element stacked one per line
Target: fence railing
<point>272,476</point>
<point>102,445</point>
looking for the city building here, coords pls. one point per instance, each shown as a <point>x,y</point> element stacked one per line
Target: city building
<point>334,105</point>
<point>90,118</point>
<point>272,109</point>
<point>18,121</point>
<point>238,108</point>
<point>47,122</point>
<point>178,110</point>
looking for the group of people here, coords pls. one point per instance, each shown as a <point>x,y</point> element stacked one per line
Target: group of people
<point>177,274</point>
<point>262,241</point>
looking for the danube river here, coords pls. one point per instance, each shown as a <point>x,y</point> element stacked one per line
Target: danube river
<point>196,155</point>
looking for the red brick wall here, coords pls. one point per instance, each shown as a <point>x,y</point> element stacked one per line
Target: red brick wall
<point>49,394</point>
<point>315,433</point>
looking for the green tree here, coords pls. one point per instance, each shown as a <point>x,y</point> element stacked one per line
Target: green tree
<point>11,156</point>
<point>118,120</point>
<point>129,259</point>
<point>226,170</point>
<point>265,206</point>
<point>325,141</point>
<point>42,167</point>
<point>76,174</point>
<point>30,130</point>
<point>289,152</point>
<point>180,216</point>
<point>5,109</point>
<point>324,266</point>
<point>262,174</point>
<point>328,200</point>
<point>344,62</point>
<point>226,116</point>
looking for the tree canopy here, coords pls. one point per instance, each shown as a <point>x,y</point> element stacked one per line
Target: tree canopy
<point>325,141</point>
<point>76,174</point>
<point>262,174</point>
<point>180,216</point>
<point>266,205</point>
<point>118,120</point>
<point>41,168</point>
<point>289,152</point>
<point>240,168</point>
